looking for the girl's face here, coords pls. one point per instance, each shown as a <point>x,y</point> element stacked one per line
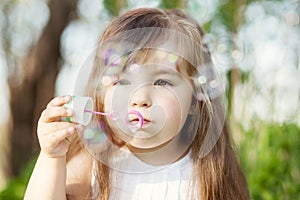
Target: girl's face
<point>159,93</point>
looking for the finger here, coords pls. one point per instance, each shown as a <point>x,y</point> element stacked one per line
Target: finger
<point>58,136</point>
<point>51,114</point>
<point>55,144</point>
<point>59,101</point>
<point>61,135</point>
<point>49,128</point>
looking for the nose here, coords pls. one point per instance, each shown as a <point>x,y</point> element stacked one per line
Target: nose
<point>141,98</point>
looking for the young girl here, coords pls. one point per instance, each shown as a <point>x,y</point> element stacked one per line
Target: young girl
<point>158,130</point>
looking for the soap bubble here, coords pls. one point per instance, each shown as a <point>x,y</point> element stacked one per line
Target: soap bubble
<point>149,94</point>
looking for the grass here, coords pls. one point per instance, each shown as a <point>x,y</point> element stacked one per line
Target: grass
<point>269,154</point>
<point>16,186</point>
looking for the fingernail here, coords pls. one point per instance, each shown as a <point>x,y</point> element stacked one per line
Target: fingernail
<point>69,111</point>
<point>70,129</point>
<point>67,98</point>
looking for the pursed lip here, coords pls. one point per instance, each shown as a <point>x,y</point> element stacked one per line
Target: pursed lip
<point>136,120</point>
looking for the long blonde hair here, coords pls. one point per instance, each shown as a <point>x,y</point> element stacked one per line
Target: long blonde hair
<point>217,173</point>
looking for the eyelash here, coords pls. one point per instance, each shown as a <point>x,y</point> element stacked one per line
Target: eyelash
<point>122,82</point>
<point>159,82</point>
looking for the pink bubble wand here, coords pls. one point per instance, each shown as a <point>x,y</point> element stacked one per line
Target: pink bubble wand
<point>113,117</point>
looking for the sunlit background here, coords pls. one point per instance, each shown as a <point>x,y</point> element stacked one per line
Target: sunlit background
<point>254,44</point>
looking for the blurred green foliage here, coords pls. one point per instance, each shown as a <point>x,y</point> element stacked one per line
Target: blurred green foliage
<point>114,6</point>
<point>16,186</point>
<point>173,4</point>
<point>269,155</point>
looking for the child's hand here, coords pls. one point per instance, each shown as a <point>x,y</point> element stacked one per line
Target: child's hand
<point>51,131</point>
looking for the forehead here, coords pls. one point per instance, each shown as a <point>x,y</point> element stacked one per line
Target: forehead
<point>152,45</point>
<point>158,60</point>
<point>149,55</point>
<point>153,60</point>
<point>152,69</point>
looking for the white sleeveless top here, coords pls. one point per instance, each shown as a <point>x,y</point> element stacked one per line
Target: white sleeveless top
<point>170,182</point>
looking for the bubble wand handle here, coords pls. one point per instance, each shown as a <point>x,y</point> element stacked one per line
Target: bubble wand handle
<point>112,117</point>
<point>97,113</point>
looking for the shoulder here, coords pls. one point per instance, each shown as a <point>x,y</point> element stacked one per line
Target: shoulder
<point>78,183</point>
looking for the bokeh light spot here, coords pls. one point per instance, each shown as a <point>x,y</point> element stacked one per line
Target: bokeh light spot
<point>213,84</point>
<point>172,58</point>
<point>106,80</point>
<point>88,134</point>
<point>202,79</point>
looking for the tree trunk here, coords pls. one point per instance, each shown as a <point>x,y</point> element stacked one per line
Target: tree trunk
<point>40,69</point>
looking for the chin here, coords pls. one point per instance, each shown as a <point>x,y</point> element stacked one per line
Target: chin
<point>146,145</point>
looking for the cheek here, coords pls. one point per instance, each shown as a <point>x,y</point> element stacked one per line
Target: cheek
<point>176,108</point>
<point>172,108</point>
